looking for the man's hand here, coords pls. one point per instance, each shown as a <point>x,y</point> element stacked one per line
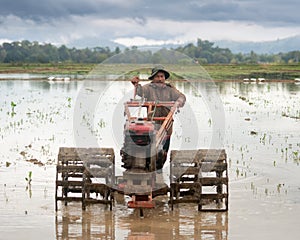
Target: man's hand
<point>179,103</point>
<point>135,81</point>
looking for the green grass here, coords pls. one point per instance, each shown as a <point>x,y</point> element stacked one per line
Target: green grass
<point>49,68</point>
<point>241,71</point>
<point>215,71</point>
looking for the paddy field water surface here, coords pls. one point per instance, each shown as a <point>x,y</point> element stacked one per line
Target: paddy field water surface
<point>258,124</point>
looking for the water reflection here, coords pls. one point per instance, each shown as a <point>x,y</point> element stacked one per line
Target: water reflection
<point>121,223</point>
<point>46,85</point>
<point>41,85</point>
<point>89,224</point>
<point>259,88</point>
<point>24,76</point>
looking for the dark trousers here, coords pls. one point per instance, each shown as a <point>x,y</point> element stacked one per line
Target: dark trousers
<point>162,155</point>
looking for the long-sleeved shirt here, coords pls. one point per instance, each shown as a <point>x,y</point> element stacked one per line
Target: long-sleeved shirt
<point>160,92</point>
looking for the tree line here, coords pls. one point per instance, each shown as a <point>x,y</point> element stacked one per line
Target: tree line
<point>203,52</point>
<point>34,52</point>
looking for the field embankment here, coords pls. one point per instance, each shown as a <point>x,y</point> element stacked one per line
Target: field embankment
<point>218,72</point>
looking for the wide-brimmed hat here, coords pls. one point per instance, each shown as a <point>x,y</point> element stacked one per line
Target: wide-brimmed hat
<point>157,69</point>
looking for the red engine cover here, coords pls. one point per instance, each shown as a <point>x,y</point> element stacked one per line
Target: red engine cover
<point>141,127</point>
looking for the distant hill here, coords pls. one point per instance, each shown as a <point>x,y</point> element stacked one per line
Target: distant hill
<point>270,47</point>
<point>94,42</point>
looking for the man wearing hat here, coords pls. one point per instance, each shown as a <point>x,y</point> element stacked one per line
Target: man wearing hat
<point>159,90</point>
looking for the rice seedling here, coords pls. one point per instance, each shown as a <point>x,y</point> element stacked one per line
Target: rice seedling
<point>29,178</point>
<point>209,122</point>
<point>296,157</point>
<point>13,105</point>
<point>69,101</point>
<point>101,123</point>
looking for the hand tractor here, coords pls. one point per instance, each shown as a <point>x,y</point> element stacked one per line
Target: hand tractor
<point>197,176</point>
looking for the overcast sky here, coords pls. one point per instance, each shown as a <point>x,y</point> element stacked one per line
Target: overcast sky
<point>82,23</point>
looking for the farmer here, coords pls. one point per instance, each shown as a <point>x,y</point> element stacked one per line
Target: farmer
<point>159,90</point>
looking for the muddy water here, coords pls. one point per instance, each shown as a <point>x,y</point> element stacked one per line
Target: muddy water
<point>257,124</point>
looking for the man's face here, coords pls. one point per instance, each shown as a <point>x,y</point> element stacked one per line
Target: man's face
<point>159,78</point>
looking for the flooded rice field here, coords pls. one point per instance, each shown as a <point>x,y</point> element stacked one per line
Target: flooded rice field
<point>258,124</point>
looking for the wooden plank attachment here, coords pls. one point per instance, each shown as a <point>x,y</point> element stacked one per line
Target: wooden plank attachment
<point>199,176</point>
<point>79,172</point>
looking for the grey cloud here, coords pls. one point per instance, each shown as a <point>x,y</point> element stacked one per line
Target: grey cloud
<point>140,20</point>
<point>266,11</point>
<point>33,9</point>
<point>79,21</point>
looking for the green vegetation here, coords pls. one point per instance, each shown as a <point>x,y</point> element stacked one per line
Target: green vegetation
<point>33,52</point>
<point>47,68</point>
<point>215,71</point>
<point>203,52</point>
<point>13,105</point>
<point>29,178</point>
<point>241,71</point>
<point>220,63</point>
